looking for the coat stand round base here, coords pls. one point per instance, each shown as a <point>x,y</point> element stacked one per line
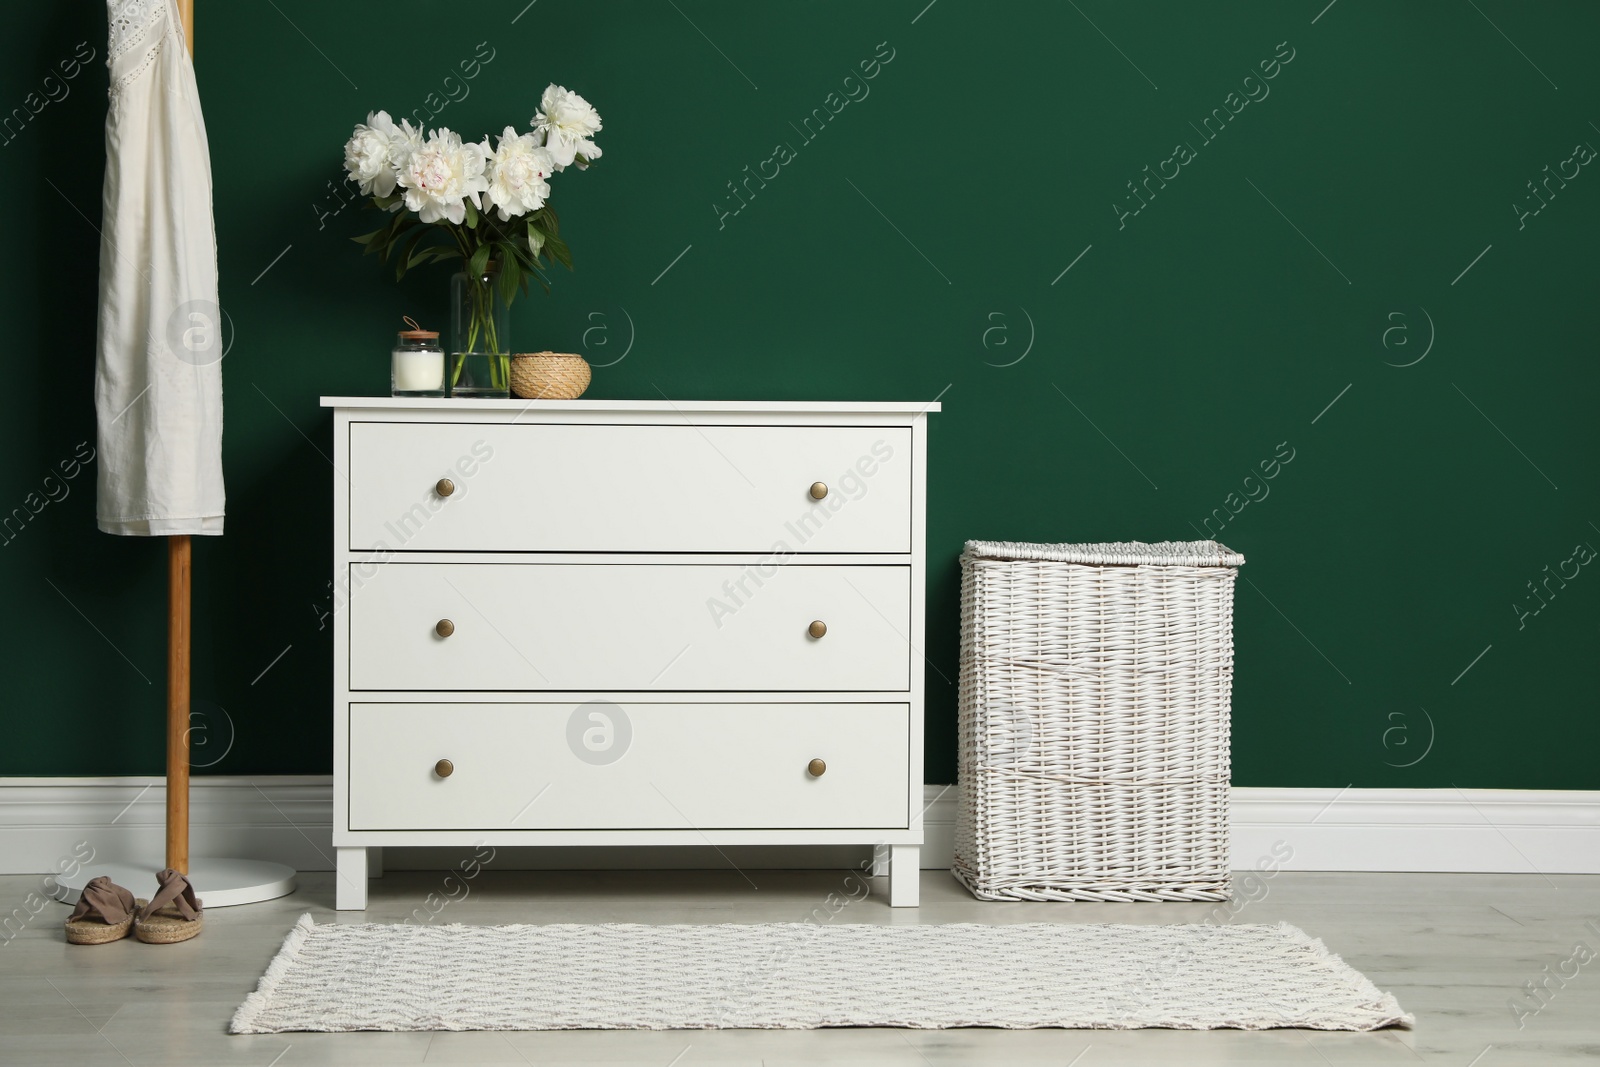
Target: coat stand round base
<point>219,883</point>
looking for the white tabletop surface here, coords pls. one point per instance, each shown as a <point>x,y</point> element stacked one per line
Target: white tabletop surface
<point>399,403</point>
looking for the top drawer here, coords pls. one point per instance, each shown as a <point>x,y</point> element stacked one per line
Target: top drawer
<point>627,488</point>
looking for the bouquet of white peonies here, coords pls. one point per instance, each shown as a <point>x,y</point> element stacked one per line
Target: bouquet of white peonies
<point>484,205</point>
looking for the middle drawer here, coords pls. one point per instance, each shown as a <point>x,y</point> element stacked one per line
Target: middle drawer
<point>629,627</point>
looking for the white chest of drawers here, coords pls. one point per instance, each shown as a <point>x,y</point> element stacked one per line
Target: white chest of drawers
<point>598,622</point>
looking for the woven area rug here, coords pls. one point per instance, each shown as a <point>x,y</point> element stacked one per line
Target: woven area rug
<point>805,976</point>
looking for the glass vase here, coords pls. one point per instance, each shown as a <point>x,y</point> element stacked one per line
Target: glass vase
<point>480,346</point>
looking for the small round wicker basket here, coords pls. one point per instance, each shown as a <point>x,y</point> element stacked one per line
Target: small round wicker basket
<point>548,375</point>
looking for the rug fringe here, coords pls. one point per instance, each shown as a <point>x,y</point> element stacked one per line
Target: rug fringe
<point>1380,1001</point>
<point>244,1020</point>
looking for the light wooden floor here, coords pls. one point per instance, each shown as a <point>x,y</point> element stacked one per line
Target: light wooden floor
<point>1454,948</point>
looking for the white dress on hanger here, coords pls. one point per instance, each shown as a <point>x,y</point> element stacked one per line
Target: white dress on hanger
<point>158,374</point>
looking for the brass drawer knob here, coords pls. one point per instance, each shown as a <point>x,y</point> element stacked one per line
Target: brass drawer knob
<point>444,627</point>
<point>818,490</point>
<point>444,768</point>
<point>816,768</point>
<point>817,628</point>
<point>445,487</point>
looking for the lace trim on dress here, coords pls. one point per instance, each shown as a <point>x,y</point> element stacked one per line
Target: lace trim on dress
<point>134,24</point>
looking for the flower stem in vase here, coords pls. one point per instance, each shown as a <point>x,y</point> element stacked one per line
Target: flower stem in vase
<point>481,337</point>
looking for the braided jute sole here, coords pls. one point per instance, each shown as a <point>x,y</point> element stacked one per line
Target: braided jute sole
<point>165,926</point>
<point>93,932</point>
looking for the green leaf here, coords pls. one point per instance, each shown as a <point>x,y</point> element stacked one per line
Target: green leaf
<point>391,235</point>
<point>472,216</point>
<point>479,260</point>
<point>519,248</point>
<point>535,239</point>
<point>510,273</point>
<point>409,256</point>
<point>558,251</point>
<point>379,240</point>
<point>524,267</point>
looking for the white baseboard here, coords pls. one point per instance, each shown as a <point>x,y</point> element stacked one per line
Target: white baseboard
<point>45,821</point>
<point>1515,831</point>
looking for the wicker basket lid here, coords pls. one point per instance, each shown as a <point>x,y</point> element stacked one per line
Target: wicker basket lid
<point>1112,553</point>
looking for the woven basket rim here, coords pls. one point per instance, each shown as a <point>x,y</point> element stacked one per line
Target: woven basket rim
<point>1110,553</point>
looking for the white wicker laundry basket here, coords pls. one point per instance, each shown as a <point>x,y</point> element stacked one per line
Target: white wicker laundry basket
<point>1094,716</point>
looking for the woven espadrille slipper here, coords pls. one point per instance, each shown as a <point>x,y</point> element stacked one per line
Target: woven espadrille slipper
<point>172,915</point>
<point>104,913</point>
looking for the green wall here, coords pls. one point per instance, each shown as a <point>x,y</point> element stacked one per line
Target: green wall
<point>916,244</point>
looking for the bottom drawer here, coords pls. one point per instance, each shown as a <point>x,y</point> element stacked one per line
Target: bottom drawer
<point>605,766</point>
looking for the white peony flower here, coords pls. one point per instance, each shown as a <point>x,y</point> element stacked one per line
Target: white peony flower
<point>367,158</point>
<point>376,151</point>
<point>517,172</point>
<point>567,122</point>
<point>442,174</point>
<point>404,139</point>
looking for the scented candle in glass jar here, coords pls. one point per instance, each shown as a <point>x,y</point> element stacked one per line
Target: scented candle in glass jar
<point>416,366</point>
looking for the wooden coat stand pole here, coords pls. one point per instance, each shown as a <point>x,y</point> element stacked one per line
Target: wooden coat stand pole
<point>180,555</point>
<point>179,569</point>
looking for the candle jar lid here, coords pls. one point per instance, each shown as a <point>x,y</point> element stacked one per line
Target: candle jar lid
<point>416,336</point>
